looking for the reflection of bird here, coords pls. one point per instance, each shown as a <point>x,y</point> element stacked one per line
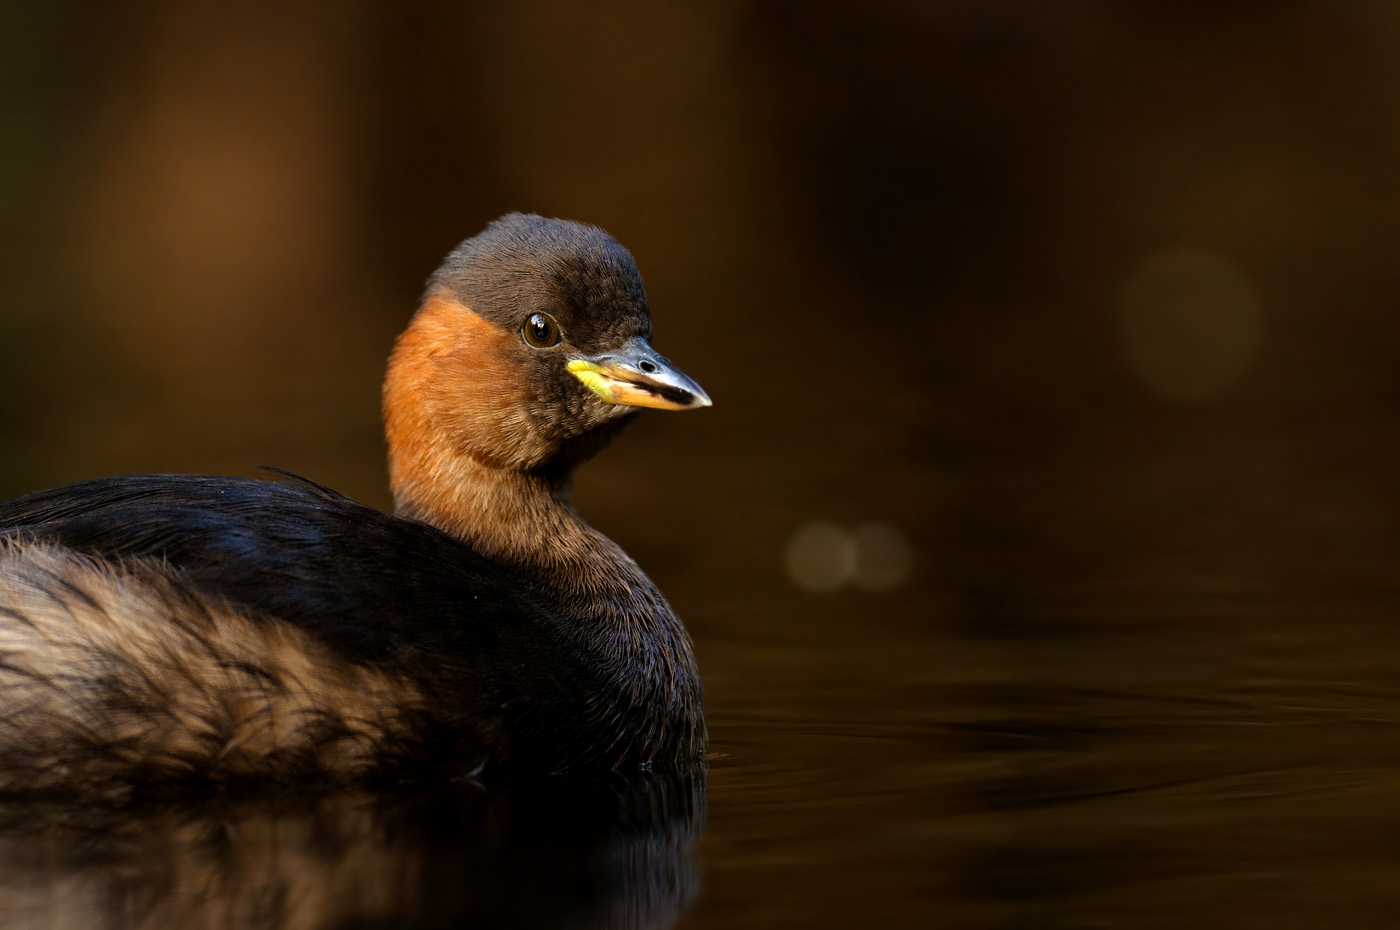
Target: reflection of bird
<point>167,627</point>
<point>583,853</point>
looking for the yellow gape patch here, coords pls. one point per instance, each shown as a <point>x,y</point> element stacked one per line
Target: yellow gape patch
<point>593,378</point>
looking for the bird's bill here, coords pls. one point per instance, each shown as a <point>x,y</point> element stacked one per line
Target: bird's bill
<point>637,376</point>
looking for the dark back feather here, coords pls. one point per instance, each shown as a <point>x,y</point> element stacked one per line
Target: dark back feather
<point>369,583</point>
<point>376,589</point>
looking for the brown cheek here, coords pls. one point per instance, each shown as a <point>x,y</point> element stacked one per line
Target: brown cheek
<point>465,382</point>
<point>482,368</point>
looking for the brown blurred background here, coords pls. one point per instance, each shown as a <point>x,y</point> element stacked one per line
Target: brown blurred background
<point>1090,307</point>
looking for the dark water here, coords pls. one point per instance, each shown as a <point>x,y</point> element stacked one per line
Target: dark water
<point>1149,765</point>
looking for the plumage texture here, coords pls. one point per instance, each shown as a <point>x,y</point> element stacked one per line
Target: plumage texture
<point>167,627</point>
<point>121,671</point>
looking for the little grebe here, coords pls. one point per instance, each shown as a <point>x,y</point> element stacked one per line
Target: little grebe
<point>163,628</point>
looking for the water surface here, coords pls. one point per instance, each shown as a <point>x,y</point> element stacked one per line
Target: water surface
<point>1163,764</point>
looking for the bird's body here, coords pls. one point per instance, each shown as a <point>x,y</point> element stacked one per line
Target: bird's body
<point>157,629</point>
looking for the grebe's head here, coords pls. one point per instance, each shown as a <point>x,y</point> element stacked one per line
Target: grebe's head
<point>531,349</point>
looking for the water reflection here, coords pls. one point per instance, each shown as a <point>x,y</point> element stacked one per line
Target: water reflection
<point>550,854</point>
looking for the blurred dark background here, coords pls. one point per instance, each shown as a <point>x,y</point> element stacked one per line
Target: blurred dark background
<point>1053,349</point>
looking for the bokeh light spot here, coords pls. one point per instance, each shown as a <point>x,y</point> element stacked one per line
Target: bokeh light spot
<point>1191,324</point>
<point>883,557</point>
<point>820,557</point>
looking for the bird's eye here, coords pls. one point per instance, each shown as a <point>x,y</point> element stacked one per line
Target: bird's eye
<point>541,331</point>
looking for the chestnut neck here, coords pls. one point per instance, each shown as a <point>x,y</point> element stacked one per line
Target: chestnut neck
<point>451,403</point>
<point>524,520</point>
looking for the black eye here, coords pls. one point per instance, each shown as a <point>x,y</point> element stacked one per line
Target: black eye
<point>541,331</point>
